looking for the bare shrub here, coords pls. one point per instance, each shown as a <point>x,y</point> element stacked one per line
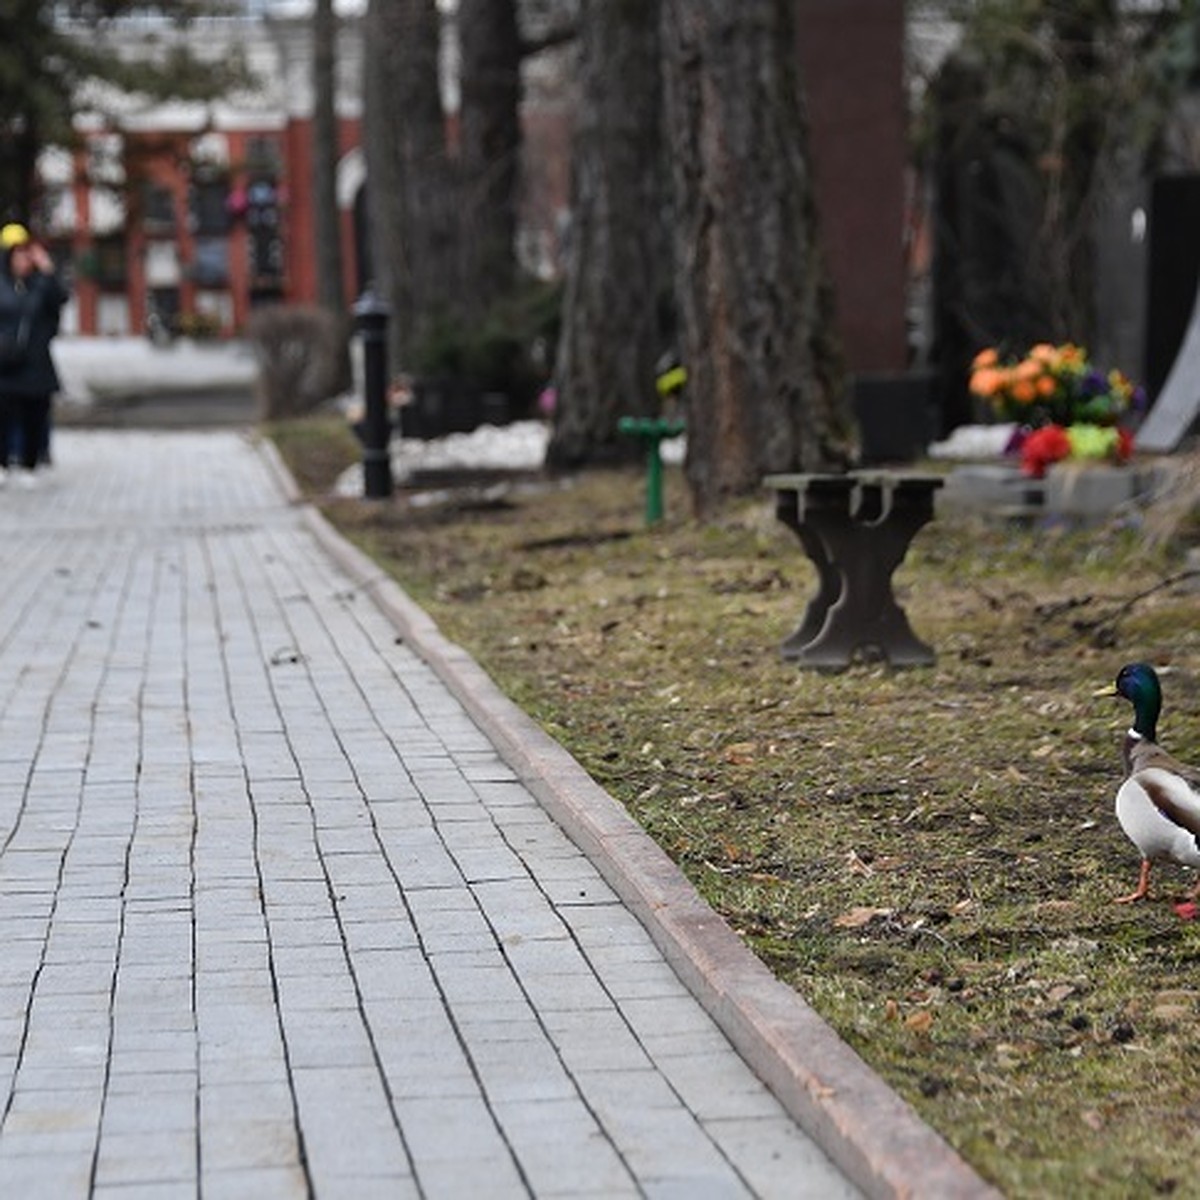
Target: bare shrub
<point>303,358</point>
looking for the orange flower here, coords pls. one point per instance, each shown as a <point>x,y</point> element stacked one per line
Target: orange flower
<point>1051,382</point>
<point>987,381</point>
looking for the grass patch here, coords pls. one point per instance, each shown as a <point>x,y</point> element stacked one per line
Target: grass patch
<point>928,856</point>
<point>317,450</point>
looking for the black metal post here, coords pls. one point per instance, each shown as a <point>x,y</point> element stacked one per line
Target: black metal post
<point>371,319</point>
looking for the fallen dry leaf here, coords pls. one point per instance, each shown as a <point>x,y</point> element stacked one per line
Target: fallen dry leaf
<point>857,917</point>
<point>741,754</point>
<point>1172,1013</point>
<point>919,1022</point>
<point>1177,996</point>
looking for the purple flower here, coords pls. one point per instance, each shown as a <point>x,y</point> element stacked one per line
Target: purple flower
<point>1093,384</point>
<point>1019,436</point>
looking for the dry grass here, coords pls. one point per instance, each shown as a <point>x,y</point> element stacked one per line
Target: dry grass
<point>1174,513</point>
<point>928,856</point>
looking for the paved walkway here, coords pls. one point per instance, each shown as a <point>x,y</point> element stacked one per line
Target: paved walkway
<point>276,920</point>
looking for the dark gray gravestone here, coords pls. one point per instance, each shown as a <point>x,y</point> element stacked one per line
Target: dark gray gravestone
<point>1178,404</point>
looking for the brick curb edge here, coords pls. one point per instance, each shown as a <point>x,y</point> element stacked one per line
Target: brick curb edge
<point>866,1128</point>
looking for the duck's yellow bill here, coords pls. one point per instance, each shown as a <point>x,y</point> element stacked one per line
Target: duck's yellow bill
<point>1109,689</point>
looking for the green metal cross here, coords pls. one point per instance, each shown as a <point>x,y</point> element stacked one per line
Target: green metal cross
<point>651,431</point>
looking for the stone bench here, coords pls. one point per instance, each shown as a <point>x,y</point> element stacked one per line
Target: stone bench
<point>856,528</point>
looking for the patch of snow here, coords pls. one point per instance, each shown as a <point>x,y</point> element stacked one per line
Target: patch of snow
<point>974,442</point>
<point>90,367</point>
<point>520,446</point>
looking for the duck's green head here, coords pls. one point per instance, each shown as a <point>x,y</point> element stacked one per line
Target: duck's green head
<point>1138,683</point>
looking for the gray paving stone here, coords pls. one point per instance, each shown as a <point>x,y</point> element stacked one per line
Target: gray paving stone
<point>146,1157</point>
<point>666,1143</point>
<point>51,1175</point>
<point>577,992</point>
<point>564,1152</point>
<point>324,993</point>
<point>58,1112</point>
<point>122,1082</point>
<point>451,1130</point>
<point>590,1046</point>
<point>131,1112</point>
<point>712,1090</point>
<point>248,1142</point>
<point>518,909</point>
<point>519,1070</point>
<point>349,1130</point>
<point>158,1190</point>
<point>770,1151</point>
<point>470,1177</point>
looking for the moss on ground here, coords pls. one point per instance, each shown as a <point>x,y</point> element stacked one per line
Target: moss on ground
<point>928,856</point>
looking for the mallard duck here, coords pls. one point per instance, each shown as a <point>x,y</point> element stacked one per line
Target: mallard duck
<point>1157,805</point>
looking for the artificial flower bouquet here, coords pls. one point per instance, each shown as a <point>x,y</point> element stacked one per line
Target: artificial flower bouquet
<point>1064,408</point>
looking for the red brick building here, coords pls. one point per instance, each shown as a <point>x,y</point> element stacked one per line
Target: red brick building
<point>196,213</point>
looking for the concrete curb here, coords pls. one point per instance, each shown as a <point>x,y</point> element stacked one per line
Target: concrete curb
<point>866,1128</point>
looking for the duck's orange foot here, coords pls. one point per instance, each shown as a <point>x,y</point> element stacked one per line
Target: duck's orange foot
<point>1143,886</point>
<point>1186,910</point>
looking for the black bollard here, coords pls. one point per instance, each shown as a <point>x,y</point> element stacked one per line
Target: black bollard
<point>371,318</point>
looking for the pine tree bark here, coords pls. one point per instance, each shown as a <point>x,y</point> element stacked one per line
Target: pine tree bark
<point>327,227</point>
<point>490,148</point>
<point>411,192</point>
<point>618,245</point>
<point>766,388</point>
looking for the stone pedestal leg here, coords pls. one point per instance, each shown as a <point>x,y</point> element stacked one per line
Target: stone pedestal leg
<point>856,531</point>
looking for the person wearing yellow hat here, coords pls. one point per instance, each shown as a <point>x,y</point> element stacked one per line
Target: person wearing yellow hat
<point>31,301</point>
<point>13,234</point>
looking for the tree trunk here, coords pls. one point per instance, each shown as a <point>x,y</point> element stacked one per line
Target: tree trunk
<point>1075,191</point>
<point>617,259</point>
<point>988,288</point>
<point>411,198</point>
<point>490,45</point>
<point>327,226</point>
<point>765,380</point>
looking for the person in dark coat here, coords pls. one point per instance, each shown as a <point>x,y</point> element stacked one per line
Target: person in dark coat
<point>31,300</point>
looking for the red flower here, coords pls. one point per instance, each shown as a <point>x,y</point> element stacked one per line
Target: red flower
<point>1124,451</point>
<point>1042,447</point>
